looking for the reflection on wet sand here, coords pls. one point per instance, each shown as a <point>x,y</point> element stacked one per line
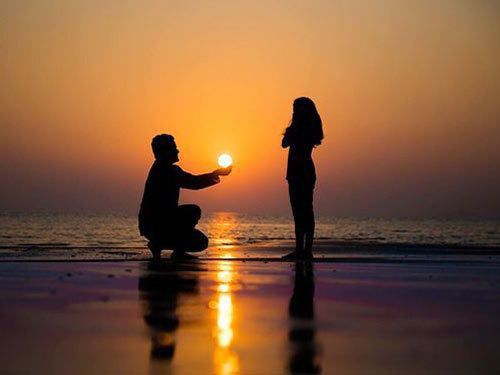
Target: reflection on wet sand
<point>304,354</point>
<point>160,287</point>
<point>261,321</point>
<point>226,361</point>
<point>162,284</point>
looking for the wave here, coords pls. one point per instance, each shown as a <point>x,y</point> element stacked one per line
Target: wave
<point>42,244</point>
<point>65,247</point>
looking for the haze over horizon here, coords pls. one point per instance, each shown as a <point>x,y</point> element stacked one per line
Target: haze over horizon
<point>408,93</point>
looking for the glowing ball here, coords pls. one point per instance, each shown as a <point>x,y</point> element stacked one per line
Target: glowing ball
<point>225,160</point>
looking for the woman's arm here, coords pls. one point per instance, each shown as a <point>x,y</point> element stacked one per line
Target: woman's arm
<point>285,142</point>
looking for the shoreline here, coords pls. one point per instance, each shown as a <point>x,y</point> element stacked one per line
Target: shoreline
<point>333,260</point>
<point>324,251</point>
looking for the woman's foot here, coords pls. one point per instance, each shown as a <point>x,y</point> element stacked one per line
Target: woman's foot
<point>291,256</point>
<point>182,255</point>
<point>307,255</point>
<point>298,255</point>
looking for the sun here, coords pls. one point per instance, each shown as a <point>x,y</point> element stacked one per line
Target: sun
<point>225,160</point>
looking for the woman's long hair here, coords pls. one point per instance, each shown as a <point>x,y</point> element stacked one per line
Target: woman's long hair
<point>306,126</point>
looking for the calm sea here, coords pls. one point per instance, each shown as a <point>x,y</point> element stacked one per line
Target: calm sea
<point>28,235</point>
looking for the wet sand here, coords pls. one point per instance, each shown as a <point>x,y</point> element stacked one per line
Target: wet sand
<point>324,250</point>
<point>249,316</point>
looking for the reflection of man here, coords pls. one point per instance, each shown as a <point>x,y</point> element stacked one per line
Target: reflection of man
<point>303,355</point>
<point>161,220</point>
<point>160,287</point>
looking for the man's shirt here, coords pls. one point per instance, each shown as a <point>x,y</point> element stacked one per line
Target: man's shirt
<point>161,194</point>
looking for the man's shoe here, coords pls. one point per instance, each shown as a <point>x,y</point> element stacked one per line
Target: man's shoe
<point>155,250</point>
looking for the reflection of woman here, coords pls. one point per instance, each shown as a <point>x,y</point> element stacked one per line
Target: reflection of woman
<point>302,135</point>
<point>304,356</point>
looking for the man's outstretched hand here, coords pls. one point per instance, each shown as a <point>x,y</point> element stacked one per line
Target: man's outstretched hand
<point>223,171</point>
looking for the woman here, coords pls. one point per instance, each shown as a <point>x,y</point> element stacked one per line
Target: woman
<point>302,135</point>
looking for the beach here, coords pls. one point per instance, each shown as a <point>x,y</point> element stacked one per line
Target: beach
<point>354,315</point>
<point>250,187</point>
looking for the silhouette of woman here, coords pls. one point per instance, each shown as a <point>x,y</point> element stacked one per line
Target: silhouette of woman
<point>302,135</point>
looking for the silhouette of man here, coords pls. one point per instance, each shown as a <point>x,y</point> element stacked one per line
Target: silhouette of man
<point>161,286</point>
<point>161,220</point>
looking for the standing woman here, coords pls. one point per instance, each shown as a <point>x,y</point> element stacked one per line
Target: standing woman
<point>302,135</point>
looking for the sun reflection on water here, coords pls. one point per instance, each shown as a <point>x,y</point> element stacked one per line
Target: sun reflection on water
<point>225,360</point>
<point>222,230</point>
<point>224,320</point>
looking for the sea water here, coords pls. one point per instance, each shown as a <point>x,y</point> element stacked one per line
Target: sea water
<point>116,234</point>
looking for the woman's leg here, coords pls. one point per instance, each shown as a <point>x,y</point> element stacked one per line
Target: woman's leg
<point>294,191</point>
<point>309,224</point>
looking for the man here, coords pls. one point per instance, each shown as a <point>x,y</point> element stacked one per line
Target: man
<point>161,220</point>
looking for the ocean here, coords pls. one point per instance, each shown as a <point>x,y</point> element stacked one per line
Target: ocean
<point>115,235</point>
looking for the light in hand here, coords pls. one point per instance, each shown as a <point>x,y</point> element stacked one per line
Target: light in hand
<point>225,160</point>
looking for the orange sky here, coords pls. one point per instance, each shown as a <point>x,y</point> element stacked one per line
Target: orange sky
<point>408,92</point>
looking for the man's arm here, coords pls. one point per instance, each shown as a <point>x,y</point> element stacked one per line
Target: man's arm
<point>196,182</point>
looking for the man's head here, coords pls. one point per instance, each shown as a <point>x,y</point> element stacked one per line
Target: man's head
<point>164,148</point>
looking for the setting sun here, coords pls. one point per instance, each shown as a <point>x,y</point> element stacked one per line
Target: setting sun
<point>225,160</point>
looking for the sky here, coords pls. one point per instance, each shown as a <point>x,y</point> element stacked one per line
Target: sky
<point>408,91</point>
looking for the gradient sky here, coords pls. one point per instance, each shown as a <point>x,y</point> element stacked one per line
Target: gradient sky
<point>409,93</point>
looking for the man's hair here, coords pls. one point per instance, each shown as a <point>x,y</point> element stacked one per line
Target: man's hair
<point>162,143</point>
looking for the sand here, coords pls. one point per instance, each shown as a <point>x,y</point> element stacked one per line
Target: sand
<point>358,316</point>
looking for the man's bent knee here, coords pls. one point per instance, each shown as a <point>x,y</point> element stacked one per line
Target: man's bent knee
<point>190,211</point>
<point>195,211</point>
<point>198,242</point>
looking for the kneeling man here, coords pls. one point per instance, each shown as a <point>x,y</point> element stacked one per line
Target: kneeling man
<point>161,220</point>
